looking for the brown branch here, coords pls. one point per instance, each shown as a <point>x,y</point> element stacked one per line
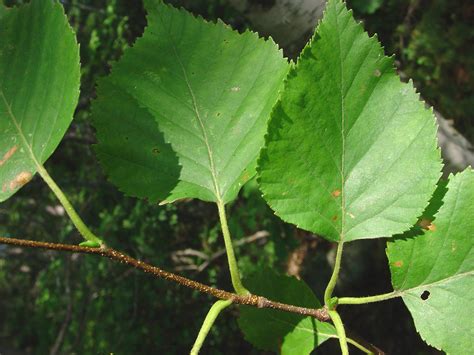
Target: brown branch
<point>249,300</point>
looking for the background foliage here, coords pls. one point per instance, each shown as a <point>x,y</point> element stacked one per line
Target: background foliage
<point>62,303</point>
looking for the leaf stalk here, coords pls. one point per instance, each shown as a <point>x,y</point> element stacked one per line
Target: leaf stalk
<point>369,299</point>
<point>360,346</point>
<point>86,233</point>
<point>211,317</point>
<point>233,267</point>
<point>335,275</point>
<point>341,332</point>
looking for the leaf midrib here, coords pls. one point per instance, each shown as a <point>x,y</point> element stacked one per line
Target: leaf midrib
<point>343,139</point>
<point>197,115</point>
<point>19,130</point>
<point>442,281</point>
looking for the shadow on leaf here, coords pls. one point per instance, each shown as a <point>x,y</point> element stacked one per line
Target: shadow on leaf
<point>131,147</point>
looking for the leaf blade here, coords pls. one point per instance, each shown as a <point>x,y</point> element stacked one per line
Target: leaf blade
<point>342,133</point>
<point>39,88</point>
<point>434,271</point>
<point>205,96</point>
<point>279,331</point>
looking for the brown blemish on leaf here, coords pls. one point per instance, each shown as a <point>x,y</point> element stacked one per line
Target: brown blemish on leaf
<point>377,73</point>
<point>8,154</point>
<point>21,179</point>
<point>426,224</point>
<point>334,218</point>
<point>398,263</point>
<point>246,176</point>
<point>336,193</point>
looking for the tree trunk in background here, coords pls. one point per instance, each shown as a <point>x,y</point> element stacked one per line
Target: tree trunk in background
<point>291,23</point>
<point>457,151</point>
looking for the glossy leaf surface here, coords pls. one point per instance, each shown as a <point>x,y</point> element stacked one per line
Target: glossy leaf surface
<point>435,270</point>
<point>39,88</point>
<point>351,151</point>
<point>207,88</point>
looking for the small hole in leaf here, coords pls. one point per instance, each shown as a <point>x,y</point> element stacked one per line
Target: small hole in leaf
<point>425,295</point>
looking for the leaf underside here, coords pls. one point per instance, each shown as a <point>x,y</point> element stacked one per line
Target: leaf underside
<point>194,102</point>
<point>435,270</point>
<point>351,151</point>
<point>282,332</point>
<point>39,88</point>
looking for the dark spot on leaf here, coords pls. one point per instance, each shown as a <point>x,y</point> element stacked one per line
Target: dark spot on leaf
<point>336,193</point>
<point>334,218</point>
<point>155,151</point>
<point>425,295</point>
<point>126,138</point>
<point>218,114</point>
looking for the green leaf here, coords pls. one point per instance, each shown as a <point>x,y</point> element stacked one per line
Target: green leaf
<point>279,331</point>
<point>351,151</point>
<point>435,271</point>
<point>210,91</point>
<point>39,88</point>
<point>134,152</point>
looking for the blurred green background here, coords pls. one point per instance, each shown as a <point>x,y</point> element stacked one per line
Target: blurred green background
<point>74,304</point>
